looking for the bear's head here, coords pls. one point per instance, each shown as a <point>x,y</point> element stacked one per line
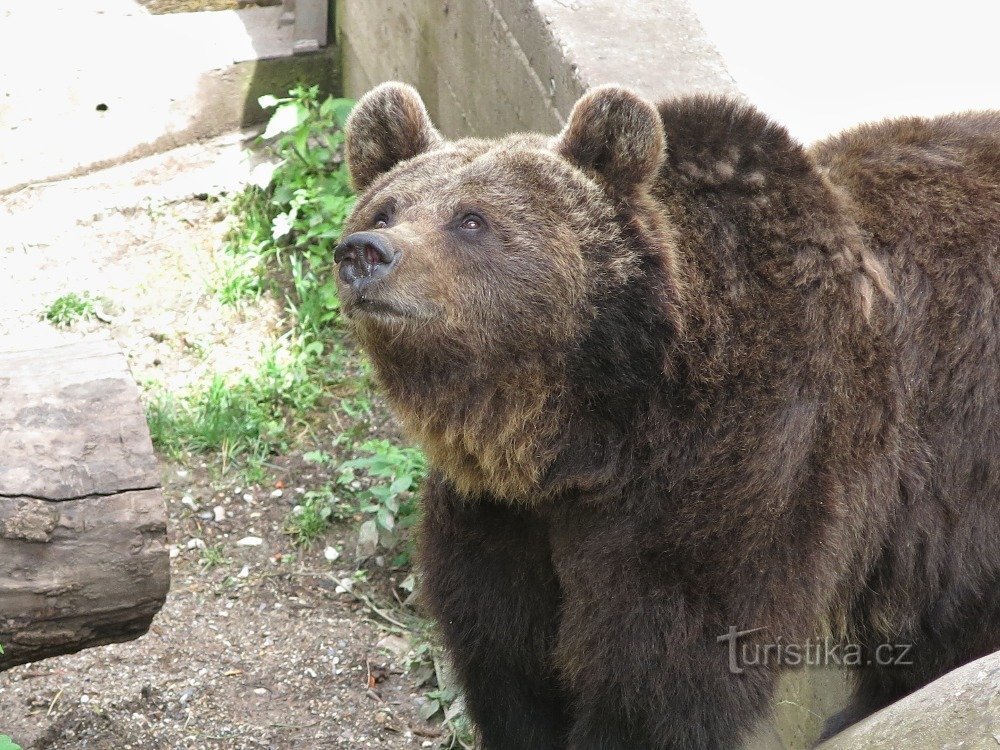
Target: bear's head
<point>496,283</point>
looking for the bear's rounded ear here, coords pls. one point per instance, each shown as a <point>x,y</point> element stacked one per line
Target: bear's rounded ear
<point>616,134</point>
<point>388,125</point>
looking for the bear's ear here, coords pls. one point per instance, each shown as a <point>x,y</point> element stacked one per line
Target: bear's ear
<point>616,134</point>
<point>389,125</point>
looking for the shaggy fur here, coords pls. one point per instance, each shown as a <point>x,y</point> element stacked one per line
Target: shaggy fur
<point>666,391</point>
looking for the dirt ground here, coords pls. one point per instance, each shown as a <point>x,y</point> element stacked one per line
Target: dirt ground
<point>272,646</point>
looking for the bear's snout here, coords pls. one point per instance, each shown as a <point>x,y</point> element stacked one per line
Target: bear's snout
<point>364,257</point>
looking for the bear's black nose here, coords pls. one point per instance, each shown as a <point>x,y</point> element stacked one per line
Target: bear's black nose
<point>364,257</point>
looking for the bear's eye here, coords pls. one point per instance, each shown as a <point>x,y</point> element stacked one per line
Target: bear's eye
<point>381,222</point>
<point>472,222</point>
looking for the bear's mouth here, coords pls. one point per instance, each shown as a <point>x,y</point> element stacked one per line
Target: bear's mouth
<point>377,309</point>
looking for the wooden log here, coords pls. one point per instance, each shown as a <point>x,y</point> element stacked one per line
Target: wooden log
<point>83,544</point>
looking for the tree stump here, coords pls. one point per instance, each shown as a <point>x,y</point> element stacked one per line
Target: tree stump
<point>83,536</point>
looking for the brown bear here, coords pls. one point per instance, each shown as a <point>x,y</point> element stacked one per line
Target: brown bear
<point>676,374</point>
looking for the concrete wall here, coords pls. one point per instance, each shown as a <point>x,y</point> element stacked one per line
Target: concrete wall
<point>488,67</point>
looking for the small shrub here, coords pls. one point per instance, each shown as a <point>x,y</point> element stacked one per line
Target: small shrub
<point>314,515</point>
<point>391,502</point>
<point>294,215</point>
<point>70,308</point>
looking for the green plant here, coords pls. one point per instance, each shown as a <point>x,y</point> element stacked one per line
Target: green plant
<point>392,502</point>
<point>69,308</point>
<point>6,743</point>
<point>213,557</point>
<point>293,217</point>
<point>314,515</point>
<point>286,225</point>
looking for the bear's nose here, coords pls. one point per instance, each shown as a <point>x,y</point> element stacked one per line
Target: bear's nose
<point>364,257</point>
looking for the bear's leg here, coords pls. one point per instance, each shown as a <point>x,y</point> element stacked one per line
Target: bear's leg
<point>641,653</point>
<point>489,581</point>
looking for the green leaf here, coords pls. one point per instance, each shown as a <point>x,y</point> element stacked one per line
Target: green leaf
<point>428,709</point>
<point>341,110</point>
<point>401,484</point>
<point>385,519</point>
<point>6,743</point>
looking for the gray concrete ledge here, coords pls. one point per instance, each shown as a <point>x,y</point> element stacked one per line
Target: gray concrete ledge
<point>488,67</point>
<point>960,710</point>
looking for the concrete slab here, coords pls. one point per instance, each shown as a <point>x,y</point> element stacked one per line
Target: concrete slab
<point>108,81</point>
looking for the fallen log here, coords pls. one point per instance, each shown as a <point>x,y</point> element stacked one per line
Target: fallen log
<point>83,553</point>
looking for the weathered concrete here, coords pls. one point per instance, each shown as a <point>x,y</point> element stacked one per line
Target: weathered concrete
<point>102,81</point>
<point>960,710</point>
<point>488,67</point>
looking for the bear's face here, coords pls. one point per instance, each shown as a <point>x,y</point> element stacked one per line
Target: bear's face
<point>469,270</point>
<point>488,242</point>
<point>455,245</point>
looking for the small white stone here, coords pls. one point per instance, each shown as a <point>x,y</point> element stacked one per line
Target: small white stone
<point>260,691</point>
<point>331,554</point>
<point>188,500</point>
<point>220,513</point>
<point>244,572</point>
<point>277,493</point>
<point>250,541</point>
<point>174,551</point>
<point>248,497</point>
<point>195,544</point>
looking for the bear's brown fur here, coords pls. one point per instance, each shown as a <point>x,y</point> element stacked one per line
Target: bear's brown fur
<point>676,374</point>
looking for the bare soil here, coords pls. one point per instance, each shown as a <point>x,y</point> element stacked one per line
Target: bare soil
<point>273,647</point>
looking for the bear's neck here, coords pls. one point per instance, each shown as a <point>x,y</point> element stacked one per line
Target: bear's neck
<point>490,431</point>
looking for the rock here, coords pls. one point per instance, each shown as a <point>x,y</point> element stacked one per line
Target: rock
<point>395,645</point>
<point>960,710</point>
<point>195,544</point>
<point>331,554</point>
<point>250,541</point>
<point>219,513</point>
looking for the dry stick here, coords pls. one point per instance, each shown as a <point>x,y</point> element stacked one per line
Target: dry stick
<point>53,703</point>
<point>371,605</point>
